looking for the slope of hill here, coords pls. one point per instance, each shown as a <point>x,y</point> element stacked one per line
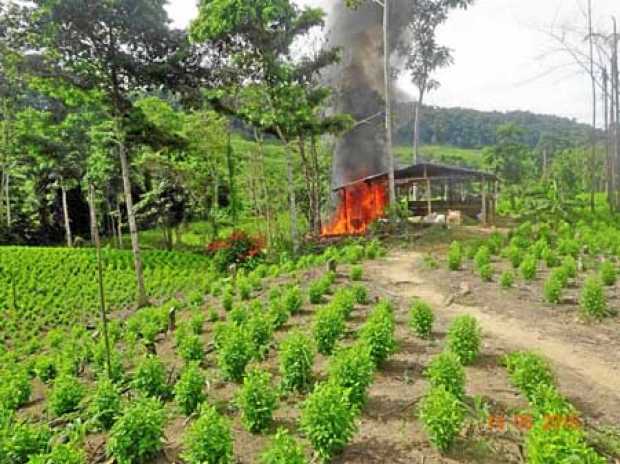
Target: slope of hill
<point>467,128</point>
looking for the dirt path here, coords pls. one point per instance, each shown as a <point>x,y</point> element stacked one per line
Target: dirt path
<point>587,376</point>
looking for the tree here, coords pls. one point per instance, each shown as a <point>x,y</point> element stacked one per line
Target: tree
<point>425,55</point>
<point>269,90</point>
<point>115,47</point>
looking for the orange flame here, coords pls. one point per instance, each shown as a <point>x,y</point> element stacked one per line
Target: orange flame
<point>360,205</point>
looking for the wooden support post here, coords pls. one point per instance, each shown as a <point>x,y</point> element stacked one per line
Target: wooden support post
<point>429,196</point>
<point>495,198</point>
<point>483,213</point>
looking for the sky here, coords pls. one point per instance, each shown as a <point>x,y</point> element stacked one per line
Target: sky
<point>504,57</point>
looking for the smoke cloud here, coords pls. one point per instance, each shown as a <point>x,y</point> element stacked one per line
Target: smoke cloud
<point>358,83</point>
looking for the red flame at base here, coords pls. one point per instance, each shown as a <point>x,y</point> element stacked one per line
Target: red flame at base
<point>360,205</point>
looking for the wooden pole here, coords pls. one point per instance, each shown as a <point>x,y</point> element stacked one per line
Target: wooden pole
<point>483,213</point>
<point>429,196</point>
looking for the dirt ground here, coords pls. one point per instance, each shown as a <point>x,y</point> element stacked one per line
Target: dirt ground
<point>585,359</point>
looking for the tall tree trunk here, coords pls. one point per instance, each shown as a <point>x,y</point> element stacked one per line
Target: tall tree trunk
<point>388,100</point>
<point>215,203</point>
<point>291,191</point>
<point>593,135</point>
<point>308,182</point>
<point>608,144</point>
<point>265,193</point>
<point>94,227</point>
<point>8,199</point>
<point>416,126</point>
<point>119,224</point>
<point>616,114</point>
<point>65,213</point>
<point>231,179</point>
<point>316,171</point>
<point>141,298</point>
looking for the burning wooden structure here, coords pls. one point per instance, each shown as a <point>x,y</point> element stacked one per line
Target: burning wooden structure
<point>426,188</point>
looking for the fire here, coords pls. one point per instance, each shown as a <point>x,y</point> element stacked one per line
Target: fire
<point>360,205</point>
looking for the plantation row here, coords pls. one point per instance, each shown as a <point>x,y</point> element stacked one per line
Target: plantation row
<point>565,251</point>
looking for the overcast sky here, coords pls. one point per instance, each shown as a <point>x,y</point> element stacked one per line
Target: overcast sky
<point>503,58</point>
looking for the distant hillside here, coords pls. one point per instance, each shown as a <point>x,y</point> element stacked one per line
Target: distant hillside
<point>466,128</point>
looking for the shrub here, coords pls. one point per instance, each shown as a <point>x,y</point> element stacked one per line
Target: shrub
<point>329,325</point>
<point>545,444</point>
<point>515,255</point>
<point>561,275</point>
<point>465,338</point>
<point>292,299</point>
<point>15,388</point>
<point>189,390</point>
<point>328,420</point>
<point>548,402</point>
<point>421,318</point>
<point>569,265</point>
<point>360,294</point>
<point>238,315</point>
<point>353,368</point>
<point>430,262</point>
<point>260,331</point>
<point>278,314</point>
<point>344,302</point>
<point>191,348</point>
<point>482,257</point>
<point>552,289</point>
<point>296,361</point>
<point>283,450</point>
<point>234,353</point>
<point>442,415</point>
<point>66,395</point>
<point>212,315</point>
<point>378,332</point>
<point>446,371</point>
<point>608,273</point>
<point>208,439</point>
<point>61,454</point>
<point>527,372</point>
<point>593,302</point>
<point>357,272</point>
<point>486,272</point>
<point>45,368</point>
<point>507,279</point>
<point>228,300</point>
<point>529,267</point>
<point>257,400</point>
<point>138,434</point>
<point>197,322</point>
<point>23,441</point>
<point>455,256</point>
<point>105,405</point>
<point>568,247</point>
<point>245,288</point>
<point>150,378</point>
<point>316,291</point>
<point>551,258</point>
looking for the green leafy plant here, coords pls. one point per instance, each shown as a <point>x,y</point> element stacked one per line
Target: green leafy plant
<point>552,289</point>
<point>296,360</point>
<point>486,272</point>
<point>529,267</point>
<point>455,256</point>
<point>292,299</point>
<point>344,302</point>
<point>421,318</point>
<point>482,257</point>
<point>15,388</point>
<point>138,434</point>
<point>60,454</point>
<point>353,368</point>
<point>528,371</point>
<point>357,272</point>
<point>608,273</point>
<point>197,322</point>
<point>550,258</point>
<point>23,441</point>
<point>329,325</point>
<point>545,444</point>
<point>45,367</point>
<point>316,290</point>
<point>260,331</point>
<point>66,395</point>
<point>244,287</point>
<point>328,420</point>
<point>278,313</point>
<point>442,415</point>
<point>570,266</point>
<point>507,279</point>
<point>228,300</point>
<point>378,332</point>
<point>234,353</point>
<point>360,294</point>
<point>105,405</point>
<point>191,348</point>
<point>189,389</point>
<point>283,449</point>
<point>208,439</point>
<point>593,303</point>
<point>446,371</point>
<point>465,338</point>
<point>151,378</point>
<point>515,255</point>
<point>257,400</point>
